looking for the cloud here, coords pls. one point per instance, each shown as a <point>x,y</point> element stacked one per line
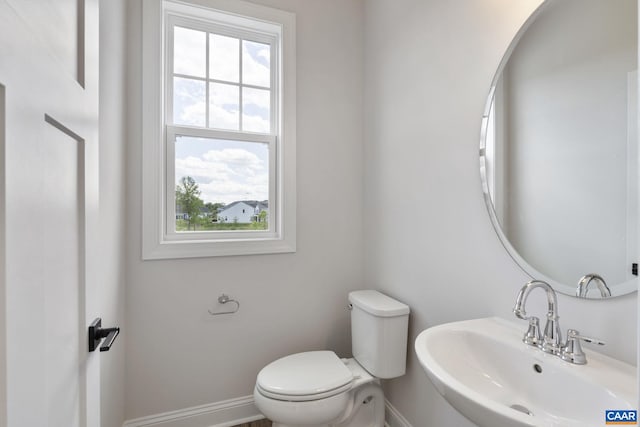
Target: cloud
<point>189,102</point>
<point>240,162</point>
<point>231,191</point>
<point>201,170</point>
<point>256,110</point>
<point>256,59</point>
<point>223,118</point>
<point>189,52</point>
<point>224,58</point>
<point>227,175</point>
<point>189,99</point>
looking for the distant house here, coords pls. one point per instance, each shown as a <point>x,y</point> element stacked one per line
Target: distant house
<point>243,211</point>
<point>180,214</point>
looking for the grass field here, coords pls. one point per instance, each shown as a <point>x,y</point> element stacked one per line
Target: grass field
<point>181,225</point>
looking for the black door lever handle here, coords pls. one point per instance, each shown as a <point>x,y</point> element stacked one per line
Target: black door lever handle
<point>97,334</point>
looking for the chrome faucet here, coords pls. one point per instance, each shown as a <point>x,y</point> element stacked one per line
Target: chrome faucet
<point>583,286</point>
<point>570,351</point>
<point>551,340</point>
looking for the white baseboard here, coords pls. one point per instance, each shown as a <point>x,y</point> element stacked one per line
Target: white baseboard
<point>230,413</point>
<point>393,418</point>
<point>220,414</point>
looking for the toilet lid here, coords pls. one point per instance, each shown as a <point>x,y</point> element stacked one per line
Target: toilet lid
<point>303,375</point>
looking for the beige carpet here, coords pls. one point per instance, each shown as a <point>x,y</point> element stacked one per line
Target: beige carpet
<point>259,423</point>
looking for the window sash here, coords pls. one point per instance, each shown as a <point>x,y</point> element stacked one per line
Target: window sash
<point>170,233</point>
<point>218,28</point>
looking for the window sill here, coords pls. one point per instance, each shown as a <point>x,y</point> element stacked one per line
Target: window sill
<point>210,248</point>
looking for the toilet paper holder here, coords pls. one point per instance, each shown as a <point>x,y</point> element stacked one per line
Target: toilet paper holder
<point>224,299</point>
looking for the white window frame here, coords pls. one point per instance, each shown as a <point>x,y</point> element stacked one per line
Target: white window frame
<point>159,239</point>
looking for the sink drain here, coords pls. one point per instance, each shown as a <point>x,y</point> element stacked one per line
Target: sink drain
<point>521,408</point>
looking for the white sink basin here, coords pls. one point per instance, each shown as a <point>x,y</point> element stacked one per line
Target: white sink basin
<point>485,371</point>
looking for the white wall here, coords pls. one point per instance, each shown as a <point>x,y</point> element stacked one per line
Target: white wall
<point>429,65</point>
<point>112,203</point>
<point>177,355</point>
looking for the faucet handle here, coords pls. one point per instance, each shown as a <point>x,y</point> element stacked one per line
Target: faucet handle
<point>590,340</point>
<point>532,336</point>
<point>572,350</point>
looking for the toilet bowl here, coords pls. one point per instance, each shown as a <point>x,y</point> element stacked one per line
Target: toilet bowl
<point>318,389</point>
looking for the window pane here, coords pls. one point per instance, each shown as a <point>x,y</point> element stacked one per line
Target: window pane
<point>224,58</point>
<point>256,107</point>
<point>256,59</point>
<point>224,106</point>
<point>221,185</point>
<point>189,52</point>
<point>189,102</point>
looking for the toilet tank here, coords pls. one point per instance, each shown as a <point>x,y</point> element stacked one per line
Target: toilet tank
<point>379,326</point>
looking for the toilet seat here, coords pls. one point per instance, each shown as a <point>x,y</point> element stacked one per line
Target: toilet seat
<point>300,377</point>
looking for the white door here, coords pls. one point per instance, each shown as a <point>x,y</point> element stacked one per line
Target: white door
<point>49,196</point>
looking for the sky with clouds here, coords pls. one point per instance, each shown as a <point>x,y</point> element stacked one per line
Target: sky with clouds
<point>225,171</point>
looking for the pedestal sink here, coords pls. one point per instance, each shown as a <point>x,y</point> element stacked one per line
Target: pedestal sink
<point>485,371</point>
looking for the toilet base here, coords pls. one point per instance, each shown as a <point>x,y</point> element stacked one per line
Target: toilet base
<point>365,410</point>
<point>362,406</point>
<point>287,425</point>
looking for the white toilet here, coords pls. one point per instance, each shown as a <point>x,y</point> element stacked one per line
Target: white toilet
<point>318,389</point>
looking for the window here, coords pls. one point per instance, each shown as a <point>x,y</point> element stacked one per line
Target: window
<point>218,129</point>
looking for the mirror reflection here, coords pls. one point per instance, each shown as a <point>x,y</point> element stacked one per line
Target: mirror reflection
<point>560,150</point>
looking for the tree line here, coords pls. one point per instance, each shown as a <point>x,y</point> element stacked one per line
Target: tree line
<point>190,203</point>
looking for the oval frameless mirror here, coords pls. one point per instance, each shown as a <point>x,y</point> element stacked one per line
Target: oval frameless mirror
<point>559,146</point>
